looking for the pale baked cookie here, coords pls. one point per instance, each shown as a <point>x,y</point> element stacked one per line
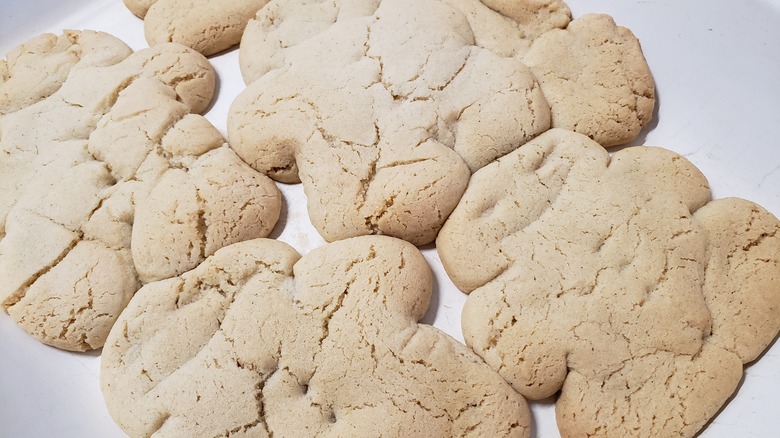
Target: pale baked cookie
<point>139,7</point>
<point>504,27</point>
<point>259,342</point>
<point>381,110</point>
<point>37,68</point>
<point>533,17</point>
<point>108,153</point>
<point>616,281</point>
<point>595,78</point>
<point>207,26</point>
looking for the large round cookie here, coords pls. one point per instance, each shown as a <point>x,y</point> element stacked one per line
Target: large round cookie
<point>614,280</point>
<point>380,108</point>
<point>108,180</point>
<point>257,341</point>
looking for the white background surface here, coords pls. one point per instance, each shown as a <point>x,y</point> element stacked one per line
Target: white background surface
<point>717,71</point>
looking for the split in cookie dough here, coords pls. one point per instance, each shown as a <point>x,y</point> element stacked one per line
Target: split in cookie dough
<point>207,26</point>
<point>109,180</point>
<point>616,281</point>
<point>258,341</point>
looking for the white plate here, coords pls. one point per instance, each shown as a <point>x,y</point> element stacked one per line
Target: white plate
<point>716,67</point>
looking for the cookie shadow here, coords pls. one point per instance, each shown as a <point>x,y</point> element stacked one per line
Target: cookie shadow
<point>281,223</point>
<point>218,77</point>
<point>548,404</point>
<point>215,96</point>
<point>433,306</point>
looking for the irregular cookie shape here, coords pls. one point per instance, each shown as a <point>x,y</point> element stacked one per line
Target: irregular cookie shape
<point>37,68</point>
<point>226,201</point>
<point>534,17</point>
<point>258,342</point>
<point>616,281</point>
<point>106,155</point>
<point>376,114</point>
<point>205,25</point>
<point>595,78</point>
<point>506,28</point>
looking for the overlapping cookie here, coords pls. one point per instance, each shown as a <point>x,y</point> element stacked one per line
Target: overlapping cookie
<point>376,106</point>
<point>204,25</point>
<point>257,341</point>
<point>381,109</point>
<point>108,180</point>
<point>614,280</point>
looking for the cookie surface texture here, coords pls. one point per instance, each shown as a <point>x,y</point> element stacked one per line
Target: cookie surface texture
<point>105,154</point>
<point>380,111</point>
<point>616,281</point>
<point>278,345</point>
<point>534,17</point>
<point>204,25</point>
<point>596,79</point>
<point>507,28</point>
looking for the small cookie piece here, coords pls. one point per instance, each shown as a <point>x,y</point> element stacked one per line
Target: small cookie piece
<point>379,115</point>
<point>595,78</point>
<point>258,342</point>
<point>204,25</point>
<point>614,280</point>
<point>108,154</point>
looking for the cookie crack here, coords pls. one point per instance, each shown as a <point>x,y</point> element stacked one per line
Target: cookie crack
<point>496,333</point>
<point>337,306</point>
<point>75,314</point>
<point>365,182</point>
<point>202,227</point>
<point>760,239</point>
<point>372,222</point>
<point>408,162</point>
<point>456,74</point>
<point>378,59</point>
<point>21,291</point>
<point>260,401</point>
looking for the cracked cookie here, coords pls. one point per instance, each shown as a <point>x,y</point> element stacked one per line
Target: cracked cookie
<point>108,180</point>
<point>260,342</point>
<point>380,109</point>
<point>204,25</point>
<point>596,79</point>
<point>505,27</point>
<point>614,280</point>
